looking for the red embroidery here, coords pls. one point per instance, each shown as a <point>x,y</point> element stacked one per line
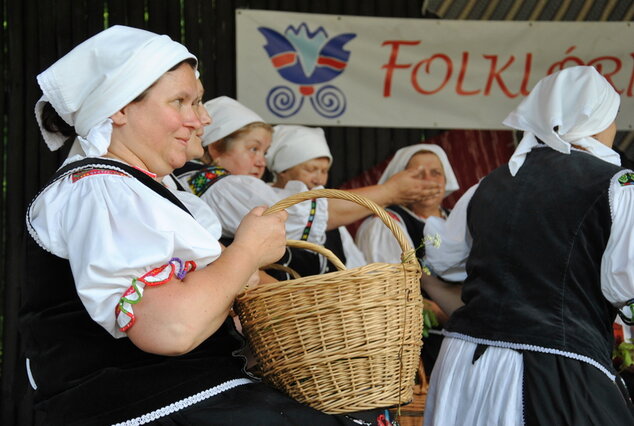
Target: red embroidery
<point>83,173</point>
<point>157,276</point>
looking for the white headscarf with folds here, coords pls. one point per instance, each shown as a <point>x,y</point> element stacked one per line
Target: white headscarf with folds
<point>293,145</point>
<point>99,77</point>
<point>403,155</point>
<point>227,116</point>
<point>564,109</point>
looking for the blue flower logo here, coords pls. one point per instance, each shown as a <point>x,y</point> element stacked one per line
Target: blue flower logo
<point>306,59</point>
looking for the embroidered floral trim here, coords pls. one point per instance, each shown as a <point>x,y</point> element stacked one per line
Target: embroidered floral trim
<point>204,178</point>
<point>311,218</point>
<point>157,276</point>
<point>91,172</point>
<point>626,179</point>
<point>533,348</point>
<point>184,403</point>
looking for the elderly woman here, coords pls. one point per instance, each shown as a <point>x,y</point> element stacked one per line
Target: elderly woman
<point>430,164</point>
<point>547,240</point>
<point>125,316</point>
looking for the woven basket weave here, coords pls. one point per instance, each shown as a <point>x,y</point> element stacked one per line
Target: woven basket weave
<point>343,341</point>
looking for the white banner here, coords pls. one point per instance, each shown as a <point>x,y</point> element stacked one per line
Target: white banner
<point>331,70</point>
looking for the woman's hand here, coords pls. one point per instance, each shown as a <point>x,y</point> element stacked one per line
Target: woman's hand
<point>262,237</point>
<point>408,187</point>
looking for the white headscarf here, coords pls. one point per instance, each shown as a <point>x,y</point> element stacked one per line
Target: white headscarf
<point>292,145</point>
<point>99,77</point>
<point>227,116</point>
<point>403,155</point>
<point>578,101</point>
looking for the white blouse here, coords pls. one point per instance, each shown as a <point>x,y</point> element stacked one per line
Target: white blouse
<point>233,196</point>
<point>114,231</point>
<point>354,256</point>
<point>378,244</point>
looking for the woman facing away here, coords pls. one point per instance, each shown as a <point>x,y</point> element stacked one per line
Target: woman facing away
<point>125,312</point>
<point>545,245</point>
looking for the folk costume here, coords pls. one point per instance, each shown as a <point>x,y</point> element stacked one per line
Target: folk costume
<point>374,239</point>
<point>378,244</point>
<point>100,232</point>
<point>232,197</point>
<point>545,244</point>
<point>293,145</point>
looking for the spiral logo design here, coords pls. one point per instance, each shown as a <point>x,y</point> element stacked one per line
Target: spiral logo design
<point>329,102</point>
<point>283,102</point>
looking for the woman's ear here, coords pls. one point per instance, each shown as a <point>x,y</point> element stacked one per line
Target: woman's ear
<point>212,151</point>
<point>120,117</point>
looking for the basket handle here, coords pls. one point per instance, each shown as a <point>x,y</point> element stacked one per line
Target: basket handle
<point>319,249</point>
<point>308,246</point>
<point>348,196</point>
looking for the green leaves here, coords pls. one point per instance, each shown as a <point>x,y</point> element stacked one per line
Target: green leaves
<point>624,353</point>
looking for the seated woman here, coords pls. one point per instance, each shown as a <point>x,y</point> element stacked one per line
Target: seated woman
<point>429,163</point>
<point>125,315</point>
<point>301,154</point>
<point>236,142</point>
<point>377,242</point>
<point>230,183</point>
<point>545,246</point>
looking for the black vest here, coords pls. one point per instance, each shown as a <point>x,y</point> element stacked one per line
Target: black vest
<point>535,263</point>
<point>84,375</point>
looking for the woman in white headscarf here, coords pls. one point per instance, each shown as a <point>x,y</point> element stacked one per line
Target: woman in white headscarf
<point>126,301</point>
<point>548,243</point>
<point>236,142</point>
<point>229,180</point>
<point>301,154</point>
<point>430,164</point>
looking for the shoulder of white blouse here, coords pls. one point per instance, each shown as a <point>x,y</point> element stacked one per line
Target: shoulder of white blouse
<point>621,192</point>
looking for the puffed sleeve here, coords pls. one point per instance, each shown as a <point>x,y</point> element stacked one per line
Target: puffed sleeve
<point>448,242</point>
<point>617,264</point>
<point>233,196</point>
<point>377,243</point>
<point>118,236</point>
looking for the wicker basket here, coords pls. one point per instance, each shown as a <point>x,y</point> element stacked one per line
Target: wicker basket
<point>343,341</point>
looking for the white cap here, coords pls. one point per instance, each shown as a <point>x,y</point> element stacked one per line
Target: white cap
<point>292,145</point>
<point>401,159</point>
<point>227,116</point>
<point>566,108</point>
<point>99,77</point>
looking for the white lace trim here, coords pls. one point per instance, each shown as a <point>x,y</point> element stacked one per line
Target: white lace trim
<point>30,375</point>
<point>184,403</point>
<point>533,348</point>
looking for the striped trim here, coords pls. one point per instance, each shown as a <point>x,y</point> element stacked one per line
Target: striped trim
<point>533,348</point>
<point>184,403</point>
<point>311,217</point>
